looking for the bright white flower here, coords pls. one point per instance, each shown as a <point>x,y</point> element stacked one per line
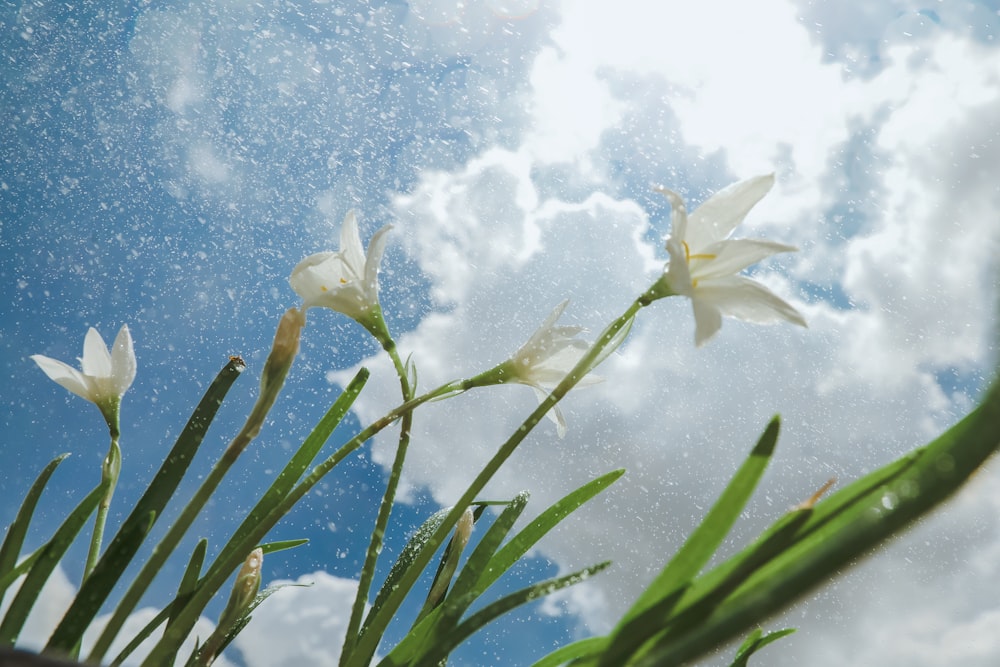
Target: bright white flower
<point>346,281</point>
<point>705,263</point>
<point>545,359</point>
<point>105,375</point>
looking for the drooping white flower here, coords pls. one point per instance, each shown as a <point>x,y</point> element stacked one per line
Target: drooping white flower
<point>347,280</point>
<point>105,376</point>
<point>545,359</point>
<point>705,262</point>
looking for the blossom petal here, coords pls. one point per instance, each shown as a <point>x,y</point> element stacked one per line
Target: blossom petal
<point>123,363</point>
<point>717,217</point>
<point>313,276</point>
<point>65,375</point>
<point>351,250</point>
<point>678,271</point>
<point>96,360</point>
<point>746,299</point>
<point>678,214</point>
<point>555,414</point>
<point>707,320</point>
<point>376,248</point>
<point>729,257</point>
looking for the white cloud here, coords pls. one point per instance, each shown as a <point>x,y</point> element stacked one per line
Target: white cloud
<point>302,624</point>
<point>253,109</point>
<point>857,389</point>
<point>55,598</point>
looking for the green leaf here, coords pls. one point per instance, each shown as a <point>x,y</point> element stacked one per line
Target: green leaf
<point>461,596</point>
<point>417,543</point>
<point>263,595</point>
<point>756,642</point>
<point>22,567</point>
<point>588,647</point>
<point>293,470</point>
<point>487,614</point>
<point>650,614</point>
<point>51,553</point>
<point>274,547</point>
<point>123,546</point>
<point>670,619</point>
<point>14,540</point>
<point>847,526</point>
<point>521,543</point>
<point>251,532</point>
<point>699,548</point>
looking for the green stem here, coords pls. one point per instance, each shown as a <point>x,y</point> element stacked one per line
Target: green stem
<point>368,642</point>
<point>110,470</point>
<point>385,508</point>
<point>272,379</point>
<point>188,614</point>
<point>220,570</point>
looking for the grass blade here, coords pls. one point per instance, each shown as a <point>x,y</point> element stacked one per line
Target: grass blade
<point>51,553</point>
<point>502,606</point>
<point>519,545</point>
<point>590,646</point>
<point>123,547</point>
<point>14,540</point>
<point>755,642</point>
<point>847,525</point>
<point>706,538</point>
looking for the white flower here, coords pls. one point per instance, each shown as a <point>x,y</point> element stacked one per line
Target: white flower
<point>545,359</point>
<point>704,262</point>
<point>346,281</point>
<point>105,375</point>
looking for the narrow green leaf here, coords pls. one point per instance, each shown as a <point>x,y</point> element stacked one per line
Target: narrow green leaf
<point>357,620</point>
<point>249,535</point>
<point>589,647</point>
<point>521,543</point>
<point>51,553</point>
<point>847,525</point>
<point>123,546</point>
<point>189,581</point>
<point>22,567</point>
<point>293,470</point>
<point>506,556</point>
<point>706,538</point>
<point>273,547</point>
<point>146,631</point>
<point>481,556</point>
<point>230,557</point>
<point>417,543</point>
<point>481,618</point>
<point>193,570</point>
<point>245,617</point>
<point>461,596</point>
<point>756,642</point>
<point>688,607</point>
<point>14,540</point>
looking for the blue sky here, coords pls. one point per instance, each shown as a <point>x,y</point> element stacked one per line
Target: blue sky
<point>166,166</point>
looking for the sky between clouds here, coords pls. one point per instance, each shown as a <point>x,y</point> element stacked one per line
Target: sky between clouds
<point>516,159</point>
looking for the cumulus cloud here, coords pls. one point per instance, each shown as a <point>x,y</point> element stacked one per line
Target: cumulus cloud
<point>55,598</point>
<point>302,624</point>
<point>907,299</point>
<point>515,144</point>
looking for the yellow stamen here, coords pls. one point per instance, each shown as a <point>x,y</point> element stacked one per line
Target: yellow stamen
<point>343,281</point>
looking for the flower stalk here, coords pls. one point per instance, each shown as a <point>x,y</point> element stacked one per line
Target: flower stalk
<point>283,351</point>
<point>103,379</point>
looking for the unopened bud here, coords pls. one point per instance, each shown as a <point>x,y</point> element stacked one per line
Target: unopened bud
<point>244,588</point>
<point>283,350</point>
<point>279,361</point>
